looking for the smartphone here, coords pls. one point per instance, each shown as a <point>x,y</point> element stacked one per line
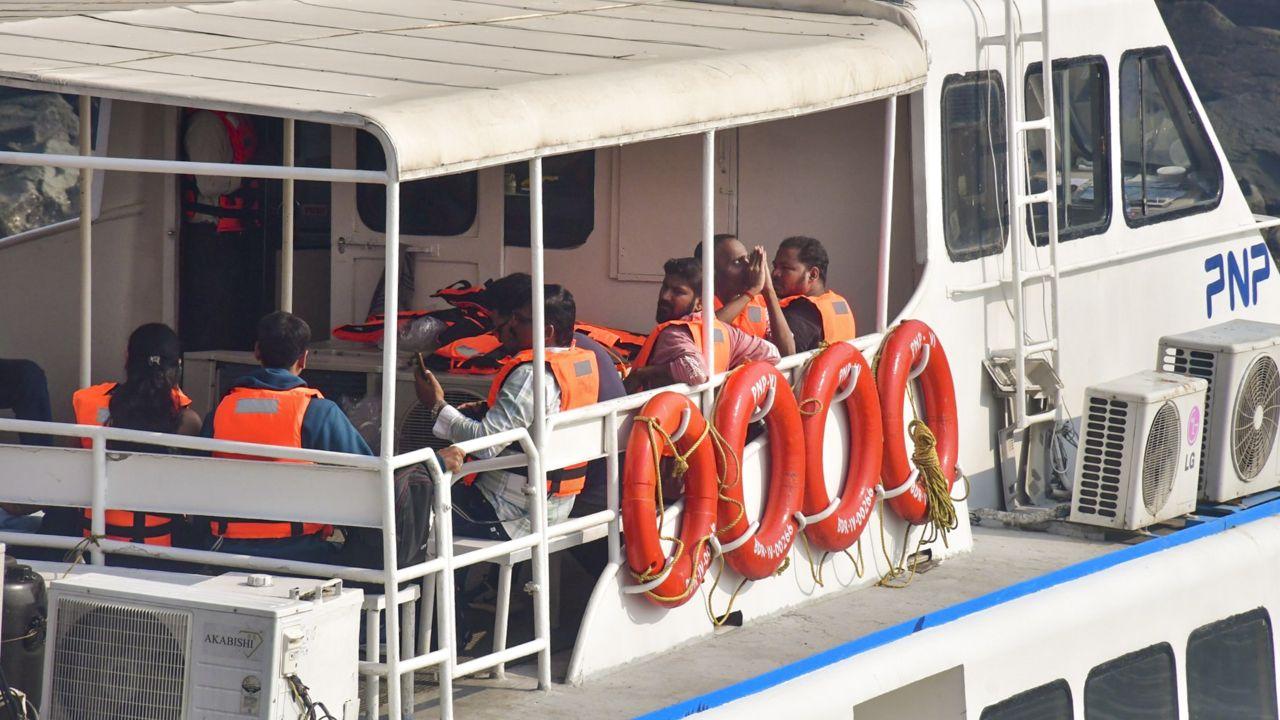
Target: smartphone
<point>420,364</point>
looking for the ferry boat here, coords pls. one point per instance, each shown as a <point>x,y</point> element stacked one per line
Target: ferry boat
<point>1078,303</point>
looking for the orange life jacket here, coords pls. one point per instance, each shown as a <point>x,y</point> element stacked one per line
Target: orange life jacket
<point>754,318</point>
<point>837,316</point>
<point>268,417</point>
<point>232,209</point>
<point>578,379</point>
<point>92,407</point>
<point>623,343</point>
<point>720,338</point>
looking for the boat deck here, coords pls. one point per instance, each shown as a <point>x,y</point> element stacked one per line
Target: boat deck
<point>1000,558</point>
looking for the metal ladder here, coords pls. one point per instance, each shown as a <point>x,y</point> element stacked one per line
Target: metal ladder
<point>1020,198</point>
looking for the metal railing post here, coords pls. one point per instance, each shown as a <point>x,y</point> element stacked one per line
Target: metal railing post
<point>387,471</point>
<point>613,493</point>
<point>86,246</point>
<point>537,474</point>
<point>886,213</point>
<point>98,524</point>
<point>286,222</point>
<point>708,263</point>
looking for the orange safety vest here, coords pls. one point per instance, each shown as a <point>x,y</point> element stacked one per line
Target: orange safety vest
<point>267,417</point>
<point>232,209</point>
<point>754,318</point>
<point>837,317</point>
<point>720,338</point>
<point>578,379</point>
<point>92,406</point>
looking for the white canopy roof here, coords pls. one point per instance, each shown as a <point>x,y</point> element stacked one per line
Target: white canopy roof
<point>458,84</point>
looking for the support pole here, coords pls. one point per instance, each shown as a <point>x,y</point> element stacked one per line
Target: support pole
<point>286,223</point>
<point>391,587</point>
<point>886,213</point>
<point>708,258</point>
<point>538,477</point>
<point>86,244</point>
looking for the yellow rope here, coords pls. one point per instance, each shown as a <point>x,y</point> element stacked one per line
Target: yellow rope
<point>940,508</point>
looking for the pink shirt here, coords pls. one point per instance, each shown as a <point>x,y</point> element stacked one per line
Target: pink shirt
<point>675,348</point>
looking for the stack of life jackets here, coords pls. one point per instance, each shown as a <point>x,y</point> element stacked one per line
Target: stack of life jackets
<point>92,407</point>
<point>468,345</point>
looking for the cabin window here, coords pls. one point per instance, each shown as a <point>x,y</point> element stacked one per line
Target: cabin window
<point>1138,686</point>
<point>1047,702</point>
<point>568,201</point>
<point>440,206</point>
<point>1231,668</point>
<point>1170,167</point>
<point>41,122</point>
<point>974,200</point>
<point>1082,137</point>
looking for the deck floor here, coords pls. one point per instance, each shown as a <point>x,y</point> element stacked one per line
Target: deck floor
<point>1000,558</point>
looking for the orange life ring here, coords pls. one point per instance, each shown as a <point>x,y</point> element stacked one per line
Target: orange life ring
<point>840,374</point>
<point>755,550</point>
<point>669,583</point>
<point>907,346</point>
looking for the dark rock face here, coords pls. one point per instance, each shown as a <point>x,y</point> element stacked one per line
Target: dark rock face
<point>1231,49</point>
<point>33,197</point>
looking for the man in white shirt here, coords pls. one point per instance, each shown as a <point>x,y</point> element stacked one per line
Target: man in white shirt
<point>494,504</point>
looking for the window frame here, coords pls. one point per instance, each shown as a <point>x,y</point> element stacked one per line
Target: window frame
<point>1194,115</point>
<point>1163,647</point>
<point>1230,623</point>
<point>997,79</point>
<point>1054,685</point>
<point>100,136</point>
<point>471,177</point>
<point>1105,147</point>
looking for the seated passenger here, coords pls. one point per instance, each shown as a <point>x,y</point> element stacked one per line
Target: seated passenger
<point>494,504</point>
<point>814,313</point>
<point>509,294</point>
<point>25,391</point>
<point>673,351</point>
<point>273,406</point>
<point>745,297</point>
<point>149,399</point>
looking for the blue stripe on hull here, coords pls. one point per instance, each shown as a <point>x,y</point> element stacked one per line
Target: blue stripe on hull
<point>836,654</point>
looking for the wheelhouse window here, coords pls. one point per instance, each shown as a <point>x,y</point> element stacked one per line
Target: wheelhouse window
<point>1231,669</point>
<point>439,206</point>
<point>39,122</point>
<point>1170,168</point>
<point>974,201</point>
<point>568,201</point>
<point>1082,137</point>
<point>1138,686</point>
<point>1047,702</point>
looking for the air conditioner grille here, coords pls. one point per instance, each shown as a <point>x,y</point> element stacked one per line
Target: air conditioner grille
<point>1160,459</point>
<point>1196,363</point>
<point>1104,431</point>
<point>415,430</point>
<point>120,661</point>
<point>1254,418</point>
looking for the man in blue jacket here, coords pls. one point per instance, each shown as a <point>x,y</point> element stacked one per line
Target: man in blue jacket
<point>274,406</point>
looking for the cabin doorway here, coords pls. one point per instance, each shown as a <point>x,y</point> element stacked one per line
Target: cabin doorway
<point>230,231</point>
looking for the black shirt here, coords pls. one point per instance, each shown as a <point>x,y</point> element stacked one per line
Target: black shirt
<point>805,322</point>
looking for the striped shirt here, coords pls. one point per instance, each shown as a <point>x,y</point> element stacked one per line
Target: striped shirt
<point>513,409</point>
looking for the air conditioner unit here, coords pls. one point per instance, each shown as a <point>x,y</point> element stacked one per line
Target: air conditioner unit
<point>1240,359</point>
<point>345,373</point>
<point>1139,446</point>
<point>166,646</point>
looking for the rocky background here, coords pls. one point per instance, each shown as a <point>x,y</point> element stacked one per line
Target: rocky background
<point>35,197</point>
<point>1231,49</point>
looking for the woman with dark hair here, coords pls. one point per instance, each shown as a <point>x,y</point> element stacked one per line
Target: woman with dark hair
<point>149,399</point>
